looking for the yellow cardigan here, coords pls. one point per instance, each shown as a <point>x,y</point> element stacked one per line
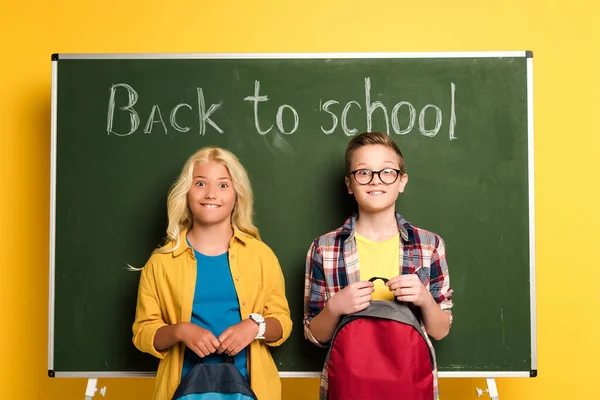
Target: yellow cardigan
<point>166,294</point>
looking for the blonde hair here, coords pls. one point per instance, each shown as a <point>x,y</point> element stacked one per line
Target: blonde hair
<point>178,210</point>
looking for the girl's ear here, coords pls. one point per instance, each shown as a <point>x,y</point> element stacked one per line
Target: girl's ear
<point>349,185</point>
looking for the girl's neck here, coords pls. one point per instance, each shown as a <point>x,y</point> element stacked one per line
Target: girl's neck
<point>378,226</point>
<point>210,240</point>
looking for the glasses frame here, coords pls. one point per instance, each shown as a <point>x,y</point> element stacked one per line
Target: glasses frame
<point>373,173</point>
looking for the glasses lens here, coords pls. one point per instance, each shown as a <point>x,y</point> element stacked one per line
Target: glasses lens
<point>388,175</point>
<point>363,176</point>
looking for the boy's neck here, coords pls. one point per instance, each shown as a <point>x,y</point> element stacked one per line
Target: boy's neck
<point>211,240</point>
<point>378,226</point>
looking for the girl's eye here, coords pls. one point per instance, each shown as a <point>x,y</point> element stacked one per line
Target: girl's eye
<point>224,185</point>
<point>200,183</point>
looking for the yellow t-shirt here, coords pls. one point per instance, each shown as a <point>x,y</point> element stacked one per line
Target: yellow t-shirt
<point>379,259</point>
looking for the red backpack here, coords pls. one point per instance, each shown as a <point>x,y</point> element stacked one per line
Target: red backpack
<point>380,353</point>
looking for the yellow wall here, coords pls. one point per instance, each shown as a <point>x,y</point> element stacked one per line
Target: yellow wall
<point>563,35</point>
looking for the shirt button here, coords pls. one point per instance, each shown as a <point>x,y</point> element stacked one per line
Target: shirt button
<point>244,303</point>
<point>237,278</point>
<point>232,256</point>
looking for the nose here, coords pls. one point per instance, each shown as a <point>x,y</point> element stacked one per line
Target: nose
<point>210,193</point>
<point>376,179</point>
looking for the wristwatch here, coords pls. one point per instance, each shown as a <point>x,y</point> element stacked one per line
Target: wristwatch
<point>262,326</point>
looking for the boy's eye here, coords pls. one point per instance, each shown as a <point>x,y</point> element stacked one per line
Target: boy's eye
<point>364,172</point>
<point>387,171</point>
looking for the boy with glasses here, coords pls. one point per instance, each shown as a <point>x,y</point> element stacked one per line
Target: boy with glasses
<point>384,244</point>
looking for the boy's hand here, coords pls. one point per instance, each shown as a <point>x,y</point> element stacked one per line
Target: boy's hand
<point>199,340</point>
<point>409,288</point>
<point>353,298</point>
<point>237,337</point>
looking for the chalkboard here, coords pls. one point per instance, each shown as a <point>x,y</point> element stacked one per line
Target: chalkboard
<point>123,125</point>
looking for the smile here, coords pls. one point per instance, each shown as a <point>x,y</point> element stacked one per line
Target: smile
<point>376,192</point>
<point>210,205</point>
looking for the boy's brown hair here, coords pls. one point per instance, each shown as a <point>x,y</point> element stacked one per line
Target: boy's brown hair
<point>369,138</point>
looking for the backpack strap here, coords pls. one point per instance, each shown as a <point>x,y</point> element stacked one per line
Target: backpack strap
<point>227,359</point>
<point>373,279</point>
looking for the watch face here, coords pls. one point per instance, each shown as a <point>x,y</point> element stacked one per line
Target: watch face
<point>257,318</point>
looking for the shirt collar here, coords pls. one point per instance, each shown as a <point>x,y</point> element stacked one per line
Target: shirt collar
<point>405,228</point>
<point>183,245</point>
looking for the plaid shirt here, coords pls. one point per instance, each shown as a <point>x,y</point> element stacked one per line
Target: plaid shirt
<point>332,264</point>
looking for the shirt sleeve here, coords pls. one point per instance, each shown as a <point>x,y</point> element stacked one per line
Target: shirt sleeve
<point>314,290</point>
<point>276,305</point>
<point>148,317</point>
<point>439,284</point>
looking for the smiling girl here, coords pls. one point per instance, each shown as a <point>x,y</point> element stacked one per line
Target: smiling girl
<point>215,288</point>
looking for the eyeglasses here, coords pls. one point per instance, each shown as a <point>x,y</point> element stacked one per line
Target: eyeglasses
<point>365,176</point>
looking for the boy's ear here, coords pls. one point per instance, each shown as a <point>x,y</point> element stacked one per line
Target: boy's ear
<point>403,182</point>
<point>348,185</point>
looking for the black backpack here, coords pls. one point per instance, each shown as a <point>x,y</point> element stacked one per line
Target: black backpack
<point>214,382</point>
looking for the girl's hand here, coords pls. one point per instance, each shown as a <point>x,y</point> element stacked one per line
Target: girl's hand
<point>237,337</point>
<point>409,288</point>
<point>199,340</point>
<point>353,298</point>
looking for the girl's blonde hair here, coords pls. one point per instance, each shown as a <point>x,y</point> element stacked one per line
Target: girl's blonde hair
<point>178,210</point>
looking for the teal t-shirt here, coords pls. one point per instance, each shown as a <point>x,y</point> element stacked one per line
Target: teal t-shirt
<point>215,308</point>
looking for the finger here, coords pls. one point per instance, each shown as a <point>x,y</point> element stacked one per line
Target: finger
<point>224,335</point>
<point>197,351</point>
<point>241,346</point>
<point>226,345</point>
<point>201,350</point>
<point>210,346</point>
<point>407,298</point>
<point>408,279</point>
<point>215,342</point>
<point>235,350</point>
<point>406,291</point>
<point>231,348</point>
<point>363,292</point>
<point>392,281</point>
<point>404,284</point>
<point>360,302</point>
<point>362,285</point>
<point>362,306</point>
<point>221,348</point>
<point>363,299</point>
<point>408,285</point>
<point>223,338</point>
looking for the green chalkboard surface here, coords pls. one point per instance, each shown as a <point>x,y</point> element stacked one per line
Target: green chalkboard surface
<point>123,125</point>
